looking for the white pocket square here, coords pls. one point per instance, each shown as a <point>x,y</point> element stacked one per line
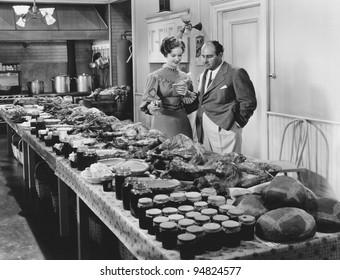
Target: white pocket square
<point>224,87</point>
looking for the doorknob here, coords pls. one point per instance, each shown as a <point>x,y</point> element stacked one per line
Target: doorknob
<point>272,75</point>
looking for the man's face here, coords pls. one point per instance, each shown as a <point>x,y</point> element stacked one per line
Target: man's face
<point>210,59</point>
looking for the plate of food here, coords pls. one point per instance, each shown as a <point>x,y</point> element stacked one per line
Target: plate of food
<point>158,185</point>
<point>112,162</point>
<point>136,166</point>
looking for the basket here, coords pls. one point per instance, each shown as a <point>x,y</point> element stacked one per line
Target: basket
<point>42,176</point>
<point>17,148</point>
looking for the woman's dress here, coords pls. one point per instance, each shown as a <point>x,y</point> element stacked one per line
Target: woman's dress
<point>172,119</point>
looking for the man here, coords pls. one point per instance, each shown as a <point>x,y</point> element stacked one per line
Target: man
<point>226,101</point>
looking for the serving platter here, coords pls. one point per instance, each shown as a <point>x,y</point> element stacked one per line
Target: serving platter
<point>112,162</point>
<point>158,185</point>
<point>136,166</point>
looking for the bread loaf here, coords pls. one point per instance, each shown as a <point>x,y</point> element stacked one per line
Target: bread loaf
<point>286,224</point>
<point>328,215</point>
<point>284,191</point>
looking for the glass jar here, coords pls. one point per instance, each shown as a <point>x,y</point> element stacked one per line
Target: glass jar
<point>177,199</point>
<point>198,231</point>
<point>126,191</point>
<point>80,158</point>
<point>175,218</point>
<point>144,204</point>
<point>223,209</point>
<point>33,122</point>
<point>89,157</point>
<point>219,219</point>
<point>168,232</point>
<point>183,224</point>
<point>167,211</point>
<point>186,243</point>
<point>192,215</point>
<point>48,140</point>
<point>213,237</point>
<point>206,192</point>
<point>138,191</point>
<point>214,201</point>
<point>234,213</point>
<point>192,197</point>
<point>161,201</point>
<point>247,223</point>
<point>33,130</point>
<point>150,215</point>
<point>156,222</point>
<point>185,209</point>
<point>107,183</point>
<point>209,212</point>
<point>55,137</point>
<point>201,220</point>
<point>199,205</point>
<point>67,149</point>
<point>40,124</point>
<point>121,174</point>
<point>231,232</point>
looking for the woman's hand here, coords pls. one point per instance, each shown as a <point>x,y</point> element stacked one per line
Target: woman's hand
<point>155,107</point>
<point>189,97</point>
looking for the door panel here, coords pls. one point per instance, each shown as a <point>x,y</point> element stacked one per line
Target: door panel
<point>240,35</point>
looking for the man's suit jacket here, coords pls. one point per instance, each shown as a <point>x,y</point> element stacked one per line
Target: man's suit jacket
<point>229,98</point>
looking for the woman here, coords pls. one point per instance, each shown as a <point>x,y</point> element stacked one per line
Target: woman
<point>168,95</point>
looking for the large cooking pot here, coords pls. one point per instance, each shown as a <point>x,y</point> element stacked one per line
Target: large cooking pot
<point>35,87</point>
<point>84,83</point>
<point>61,83</point>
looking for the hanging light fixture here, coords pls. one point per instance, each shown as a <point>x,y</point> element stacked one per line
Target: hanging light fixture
<point>186,18</point>
<point>27,13</point>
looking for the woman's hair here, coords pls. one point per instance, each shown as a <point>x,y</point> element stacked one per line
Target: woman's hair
<point>170,43</point>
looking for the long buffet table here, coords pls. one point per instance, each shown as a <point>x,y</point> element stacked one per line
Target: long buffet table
<point>125,226</point>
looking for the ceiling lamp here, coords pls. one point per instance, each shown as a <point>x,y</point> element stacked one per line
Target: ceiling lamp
<point>26,13</point>
<point>186,18</point>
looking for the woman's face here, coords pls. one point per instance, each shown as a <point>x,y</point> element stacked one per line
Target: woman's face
<point>174,58</point>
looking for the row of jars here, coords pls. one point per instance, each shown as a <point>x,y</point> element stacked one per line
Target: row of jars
<point>80,156</point>
<point>194,231</point>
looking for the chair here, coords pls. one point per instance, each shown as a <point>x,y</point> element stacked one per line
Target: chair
<point>300,155</point>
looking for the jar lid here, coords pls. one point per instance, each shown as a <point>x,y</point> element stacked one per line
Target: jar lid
<point>145,201</point>
<point>212,227</point>
<point>161,198</point>
<point>168,225</point>
<point>200,204</point>
<point>178,196</point>
<point>208,191</point>
<point>175,217</point>
<point>186,237</point>
<point>153,212</point>
<point>216,199</point>
<point>220,218</point>
<point>235,211</point>
<point>230,224</point>
<point>160,219</point>
<point>186,222</point>
<point>194,229</point>
<point>169,211</point>
<point>246,219</point>
<point>202,219</point>
<point>192,214</point>
<point>209,212</point>
<point>225,207</point>
<point>193,196</point>
<point>185,208</point>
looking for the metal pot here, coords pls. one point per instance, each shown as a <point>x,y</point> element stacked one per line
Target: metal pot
<point>61,83</point>
<point>84,83</point>
<point>35,87</point>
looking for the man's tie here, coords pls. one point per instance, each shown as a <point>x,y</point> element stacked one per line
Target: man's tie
<point>210,79</point>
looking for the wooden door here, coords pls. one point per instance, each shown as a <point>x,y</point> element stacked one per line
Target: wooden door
<point>241,28</point>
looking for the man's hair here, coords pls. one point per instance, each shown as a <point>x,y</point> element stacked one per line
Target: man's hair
<point>218,47</point>
<point>170,43</point>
